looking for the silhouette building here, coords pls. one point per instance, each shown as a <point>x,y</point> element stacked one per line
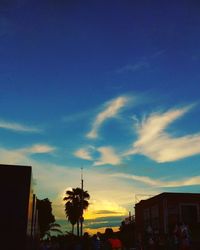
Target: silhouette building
<point>18,208</point>
<point>165,210</point>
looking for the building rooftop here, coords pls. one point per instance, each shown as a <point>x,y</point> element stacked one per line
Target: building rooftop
<point>169,195</point>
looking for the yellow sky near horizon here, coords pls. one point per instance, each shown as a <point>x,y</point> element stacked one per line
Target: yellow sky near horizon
<point>93,231</point>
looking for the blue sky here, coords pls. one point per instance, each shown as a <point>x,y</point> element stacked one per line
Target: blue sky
<point>111,87</point>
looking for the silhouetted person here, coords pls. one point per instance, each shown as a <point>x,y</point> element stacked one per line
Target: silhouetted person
<point>95,242</point>
<point>116,243</point>
<point>184,237</point>
<point>86,242</point>
<point>105,243</point>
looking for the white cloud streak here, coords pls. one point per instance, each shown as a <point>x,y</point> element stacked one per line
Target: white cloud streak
<point>13,157</point>
<point>110,111</point>
<point>18,127</point>
<point>21,156</point>
<point>191,181</point>
<point>83,153</point>
<point>108,156</point>
<point>144,179</point>
<point>154,142</point>
<point>39,149</point>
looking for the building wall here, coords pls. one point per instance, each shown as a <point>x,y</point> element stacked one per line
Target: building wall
<point>163,211</point>
<point>16,206</point>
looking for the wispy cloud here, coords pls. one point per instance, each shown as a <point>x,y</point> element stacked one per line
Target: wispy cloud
<point>18,127</point>
<point>103,222</point>
<point>84,153</point>
<point>21,155</point>
<point>111,110</point>
<point>185,182</point>
<point>107,212</point>
<point>143,64</point>
<point>9,156</point>
<point>39,149</point>
<point>108,156</point>
<point>154,142</point>
<point>144,179</point>
<point>191,181</point>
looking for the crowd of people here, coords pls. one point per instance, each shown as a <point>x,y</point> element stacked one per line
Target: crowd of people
<point>107,241</point>
<point>179,238</point>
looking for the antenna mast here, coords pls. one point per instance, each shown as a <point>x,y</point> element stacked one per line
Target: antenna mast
<point>82,178</point>
<point>81,219</point>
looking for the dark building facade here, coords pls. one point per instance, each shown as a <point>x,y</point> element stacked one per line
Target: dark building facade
<point>165,210</point>
<point>127,231</point>
<point>18,214</point>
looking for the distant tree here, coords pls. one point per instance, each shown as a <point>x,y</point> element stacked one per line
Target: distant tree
<point>76,203</point>
<point>46,219</point>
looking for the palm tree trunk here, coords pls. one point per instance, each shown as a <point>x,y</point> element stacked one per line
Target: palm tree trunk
<point>81,225</point>
<point>72,229</point>
<point>78,228</point>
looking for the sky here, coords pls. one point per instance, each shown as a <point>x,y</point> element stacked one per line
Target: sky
<point>109,86</point>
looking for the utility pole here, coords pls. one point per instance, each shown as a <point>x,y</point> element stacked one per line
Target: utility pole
<point>81,219</point>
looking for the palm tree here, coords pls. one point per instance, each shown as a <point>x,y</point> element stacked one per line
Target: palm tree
<point>52,227</point>
<point>76,203</point>
<point>71,213</point>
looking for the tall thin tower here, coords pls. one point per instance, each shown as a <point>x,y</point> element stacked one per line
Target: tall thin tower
<point>81,219</point>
